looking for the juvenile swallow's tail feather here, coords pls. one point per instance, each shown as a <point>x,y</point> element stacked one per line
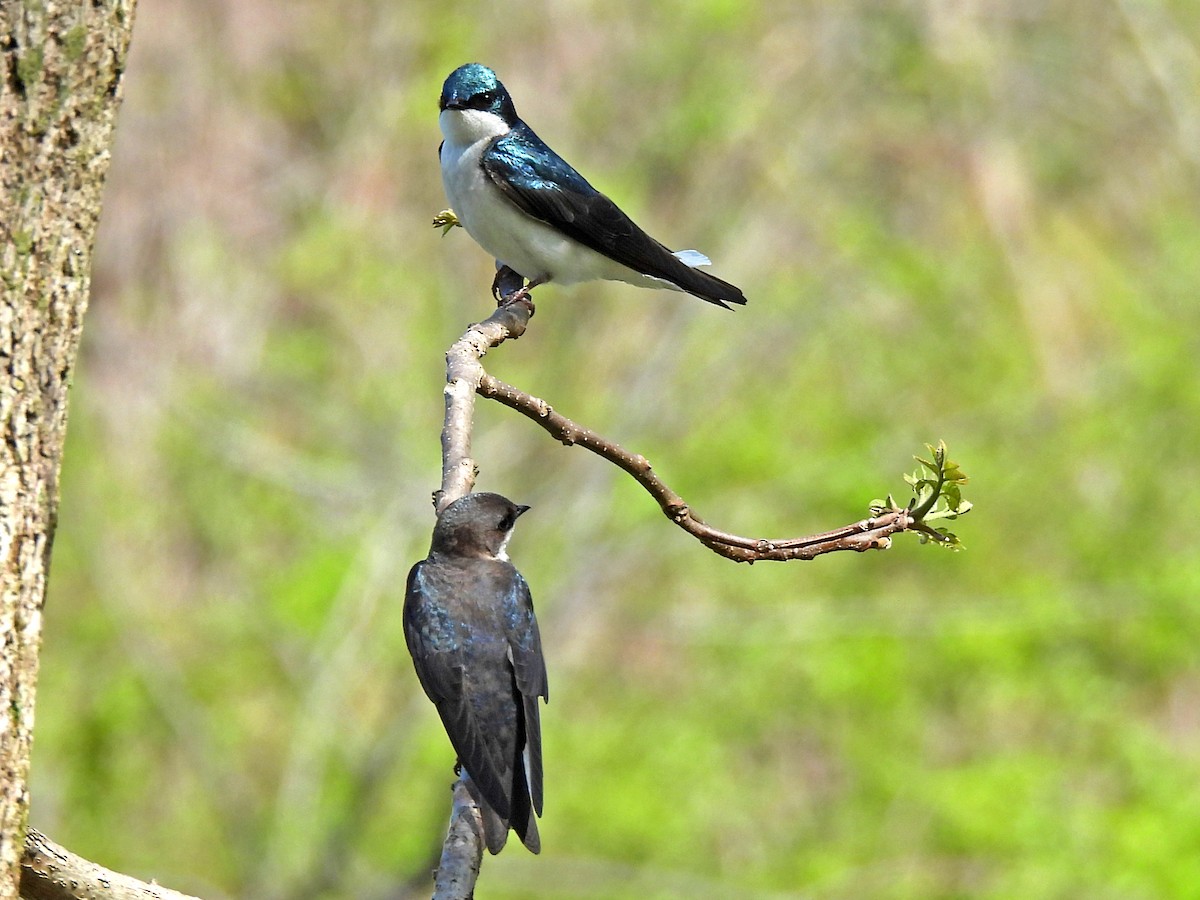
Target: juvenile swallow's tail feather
<point>522,819</point>
<point>495,828</point>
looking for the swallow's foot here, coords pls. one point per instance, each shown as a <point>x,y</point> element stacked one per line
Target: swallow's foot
<point>505,284</point>
<point>508,288</point>
<point>519,298</point>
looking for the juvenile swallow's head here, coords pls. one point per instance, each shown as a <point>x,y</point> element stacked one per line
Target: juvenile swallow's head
<point>476,87</point>
<point>477,525</point>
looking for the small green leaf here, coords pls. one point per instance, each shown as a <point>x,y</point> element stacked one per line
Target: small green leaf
<point>937,494</point>
<point>953,495</point>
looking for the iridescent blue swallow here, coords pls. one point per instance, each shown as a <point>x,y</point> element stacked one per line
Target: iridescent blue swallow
<point>469,624</point>
<point>527,207</point>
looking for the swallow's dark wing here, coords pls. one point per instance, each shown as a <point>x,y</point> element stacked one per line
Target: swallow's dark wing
<point>430,637</point>
<point>543,185</point>
<point>529,667</point>
<point>478,710</point>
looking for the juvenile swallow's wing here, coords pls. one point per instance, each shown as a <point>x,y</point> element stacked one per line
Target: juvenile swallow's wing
<point>485,685</point>
<point>478,710</point>
<point>529,668</point>
<point>544,186</point>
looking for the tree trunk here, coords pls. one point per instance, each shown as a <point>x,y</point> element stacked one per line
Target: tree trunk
<point>63,63</point>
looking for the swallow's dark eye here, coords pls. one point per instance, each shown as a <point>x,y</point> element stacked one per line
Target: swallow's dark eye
<point>483,100</point>
<point>507,522</point>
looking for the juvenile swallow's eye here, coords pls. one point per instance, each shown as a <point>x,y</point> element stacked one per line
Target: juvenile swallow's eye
<point>507,522</point>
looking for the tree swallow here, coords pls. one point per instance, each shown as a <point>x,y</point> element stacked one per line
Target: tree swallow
<point>469,624</point>
<point>526,206</point>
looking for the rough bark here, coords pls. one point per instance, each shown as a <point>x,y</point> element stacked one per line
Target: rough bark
<point>52,872</point>
<point>61,87</point>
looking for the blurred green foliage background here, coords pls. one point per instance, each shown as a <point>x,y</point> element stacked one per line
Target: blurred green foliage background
<point>976,221</point>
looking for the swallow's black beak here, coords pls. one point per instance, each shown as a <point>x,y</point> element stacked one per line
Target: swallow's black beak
<point>521,510</point>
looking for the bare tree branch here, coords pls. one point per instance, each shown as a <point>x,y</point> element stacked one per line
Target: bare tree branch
<point>462,851</point>
<point>465,376</point>
<point>50,872</point>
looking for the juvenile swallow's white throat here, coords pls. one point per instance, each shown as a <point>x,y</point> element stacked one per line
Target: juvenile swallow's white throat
<point>502,552</point>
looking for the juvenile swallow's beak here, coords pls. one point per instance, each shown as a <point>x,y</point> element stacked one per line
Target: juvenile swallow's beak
<point>521,510</point>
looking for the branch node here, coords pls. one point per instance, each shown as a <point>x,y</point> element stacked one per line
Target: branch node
<point>677,512</point>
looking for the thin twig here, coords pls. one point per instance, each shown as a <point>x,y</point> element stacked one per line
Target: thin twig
<point>463,374</point>
<point>867,534</point>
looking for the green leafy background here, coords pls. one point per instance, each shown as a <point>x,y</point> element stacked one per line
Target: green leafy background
<point>975,222</point>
